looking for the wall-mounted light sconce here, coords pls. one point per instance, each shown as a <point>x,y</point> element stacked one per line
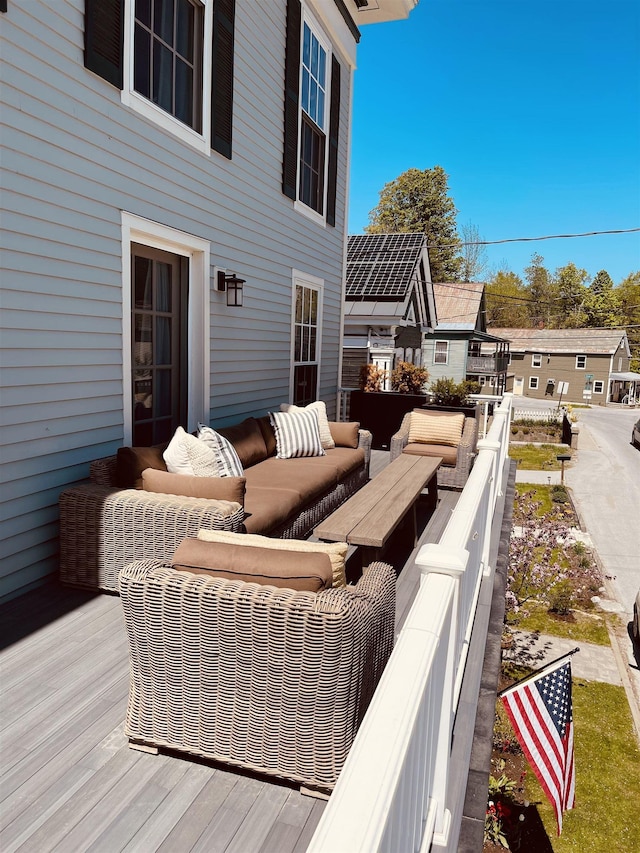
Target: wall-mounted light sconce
<point>233,285</point>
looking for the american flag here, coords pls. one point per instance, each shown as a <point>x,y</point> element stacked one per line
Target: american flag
<point>540,711</point>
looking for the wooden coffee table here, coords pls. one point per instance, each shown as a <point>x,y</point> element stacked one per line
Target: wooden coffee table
<point>370,516</point>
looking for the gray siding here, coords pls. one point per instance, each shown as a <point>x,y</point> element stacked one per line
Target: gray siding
<point>456,366</point>
<point>73,158</point>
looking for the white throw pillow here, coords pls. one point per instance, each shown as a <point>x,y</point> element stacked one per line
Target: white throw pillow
<point>297,434</point>
<point>186,454</point>
<point>227,460</point>
<point>320,407</point>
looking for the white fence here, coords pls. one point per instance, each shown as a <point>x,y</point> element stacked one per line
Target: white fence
<point>539,414</point>
<point>393,794</point>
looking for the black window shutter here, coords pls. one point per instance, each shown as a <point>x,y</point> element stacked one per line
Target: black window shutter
<point>291,95</point>
<point>334,130</point>
<point>104,39</point>
<point>222,76</point>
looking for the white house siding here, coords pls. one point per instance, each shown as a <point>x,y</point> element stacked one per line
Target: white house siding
<point>457,362</point>
<point>73,159</point>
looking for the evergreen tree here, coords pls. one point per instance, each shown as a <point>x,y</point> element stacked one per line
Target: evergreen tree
<point>601,303</point>
<point>418,200</point>
<point>542,293</point>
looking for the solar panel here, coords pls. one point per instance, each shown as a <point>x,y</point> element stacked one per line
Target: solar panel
<point>380,266</point>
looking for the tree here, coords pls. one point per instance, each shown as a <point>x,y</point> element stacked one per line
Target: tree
<point>572,292</point>
<point>542,293</point>
<point>507,301</point>
<point>628,298</point>
<point>474,255</point>
<point>416,201</point>
<point>601,302</point>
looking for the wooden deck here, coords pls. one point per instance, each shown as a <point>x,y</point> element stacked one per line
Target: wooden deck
<point>69,781</point>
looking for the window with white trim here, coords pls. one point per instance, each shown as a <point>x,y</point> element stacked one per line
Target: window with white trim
<point>533,382</point>
<point>311,116</point>
<point>173,61</point>
<point>581,362</point>
<point>598,386</point>
<point>536,359</point>
<point>441,352</point>
<point>307,310</point>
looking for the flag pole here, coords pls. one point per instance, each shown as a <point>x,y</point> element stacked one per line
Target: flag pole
<point>538,671</point>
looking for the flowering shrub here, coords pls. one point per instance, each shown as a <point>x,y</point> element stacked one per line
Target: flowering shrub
<point>546,563</point>
<point>408,378</point>
<point>503,815</point>
<point>371,377</point>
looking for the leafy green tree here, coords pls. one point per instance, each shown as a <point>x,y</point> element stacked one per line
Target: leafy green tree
<point>419,200</point>
<point>628,297</point>
<point>601,302</point>
<point>507,301</point>
<point>572,292</point>
<point>542,293</point>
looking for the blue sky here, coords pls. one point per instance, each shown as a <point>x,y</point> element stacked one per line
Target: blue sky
<point>532,107</point>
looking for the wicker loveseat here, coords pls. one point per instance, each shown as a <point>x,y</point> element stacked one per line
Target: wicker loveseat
<point>456,461</point>
<point>271,680</point>
<point>105,526</point>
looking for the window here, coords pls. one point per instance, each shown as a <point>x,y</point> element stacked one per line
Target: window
<point>306,340</point>
<point>533,382</point>
<point>536,360</point>
<point>441,352</point>
<point>598,386</point>
<point>581,362</point>
<point>312,117</point>
<point>482,380</point>
<point>172,61</point>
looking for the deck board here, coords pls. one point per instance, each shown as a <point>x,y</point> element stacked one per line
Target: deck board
<point>69,780</point>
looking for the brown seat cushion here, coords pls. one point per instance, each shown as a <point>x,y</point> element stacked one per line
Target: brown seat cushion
<point>247,440</point>
<point>132,461</point>
<point>266,508</point>
<point>345,434</point>
<point>344,460</point>
<point>213,488</point>
<point>449,454</point>
<point>285,569</point>
<point>268,434</point>
<point>304,476</point>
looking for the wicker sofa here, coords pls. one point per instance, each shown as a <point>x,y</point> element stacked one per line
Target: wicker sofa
<point>104,525</point>
<point>271,680</point>
<point>456,462</point>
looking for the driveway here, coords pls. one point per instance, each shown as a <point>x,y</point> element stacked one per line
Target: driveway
<point>604,478</point>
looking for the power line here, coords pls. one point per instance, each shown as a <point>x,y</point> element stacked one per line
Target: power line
<point>533,239</point>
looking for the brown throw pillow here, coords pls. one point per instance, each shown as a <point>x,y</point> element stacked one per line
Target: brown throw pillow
<point>213,488</point>
<point>283,569</point>
<point>132,461</point>
<point>247,441</point>
<point>345,434</point>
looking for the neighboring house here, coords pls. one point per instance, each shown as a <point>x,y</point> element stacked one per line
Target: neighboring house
<point>578,365</point>
<point>460,347</point>
<point>389,302</point>
<point>157,157</point>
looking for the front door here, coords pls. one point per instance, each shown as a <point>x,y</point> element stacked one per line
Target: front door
<point>518,385</point>
<point>159,340</point>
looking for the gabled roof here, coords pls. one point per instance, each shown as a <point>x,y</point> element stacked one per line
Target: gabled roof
<point>458,305</point>
<point>602,341</point>
<point>380,267</point>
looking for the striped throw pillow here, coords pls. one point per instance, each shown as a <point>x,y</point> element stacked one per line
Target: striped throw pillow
<point>320,407</point>
<point>297,434</point>
<point>228,461</point>
<point>436,429</point>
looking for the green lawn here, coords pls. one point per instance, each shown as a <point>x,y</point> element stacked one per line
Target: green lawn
<point>537,457</point>
<point>606,817</point>
<point>586,628</point>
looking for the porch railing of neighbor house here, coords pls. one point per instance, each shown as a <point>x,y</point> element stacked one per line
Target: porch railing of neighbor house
<point>393,794</point>
<point>487,363</point>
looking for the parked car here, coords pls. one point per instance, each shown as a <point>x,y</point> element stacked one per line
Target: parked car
<point>635,434</point>
<point>635,627</point>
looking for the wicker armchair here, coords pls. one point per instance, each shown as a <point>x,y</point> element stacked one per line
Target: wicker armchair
<point>270,680</point>
<point>449,476</point>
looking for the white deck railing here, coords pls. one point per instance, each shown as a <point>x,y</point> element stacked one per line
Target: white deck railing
<point>393,794</point>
